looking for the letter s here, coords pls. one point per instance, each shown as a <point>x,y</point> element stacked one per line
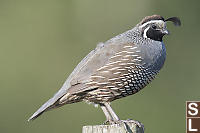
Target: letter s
<point>193,108</point>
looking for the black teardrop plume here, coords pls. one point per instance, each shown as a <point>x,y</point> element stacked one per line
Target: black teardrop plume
<point>175,20</point>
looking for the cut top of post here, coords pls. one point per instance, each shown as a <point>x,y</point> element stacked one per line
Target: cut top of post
<point>128,127</point>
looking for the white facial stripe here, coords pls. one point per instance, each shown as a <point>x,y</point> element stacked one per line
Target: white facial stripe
<point>152,21</point>
<point>145,32</point>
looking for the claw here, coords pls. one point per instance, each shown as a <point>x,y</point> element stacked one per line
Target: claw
<point>109,122</point>
<point>137,123</point>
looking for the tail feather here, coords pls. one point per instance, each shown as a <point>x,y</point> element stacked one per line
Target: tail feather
<point>54,101</point>
<point>42,109</point>
<point>48,105</point>
<point>35,115</point>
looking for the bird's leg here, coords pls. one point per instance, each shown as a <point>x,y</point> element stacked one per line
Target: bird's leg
<point>117,120</point>
<point>109,118</point>
<point>112,118</point>
<point>112,113</point>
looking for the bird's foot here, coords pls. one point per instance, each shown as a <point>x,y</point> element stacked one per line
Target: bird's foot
<point>109,122</point>
<point>137,123</point>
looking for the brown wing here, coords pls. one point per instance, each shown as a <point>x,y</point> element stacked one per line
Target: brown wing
<point>111,78</point>
<point>93,69</point>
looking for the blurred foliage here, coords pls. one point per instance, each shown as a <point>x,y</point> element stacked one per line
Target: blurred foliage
<point>41,41</point>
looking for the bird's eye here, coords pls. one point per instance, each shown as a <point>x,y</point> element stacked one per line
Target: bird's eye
<point>154,26</point>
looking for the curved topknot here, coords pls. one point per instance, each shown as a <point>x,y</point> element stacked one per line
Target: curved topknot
<point>153,17</point>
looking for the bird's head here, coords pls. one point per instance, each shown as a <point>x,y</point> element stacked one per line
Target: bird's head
<point>154,27</point>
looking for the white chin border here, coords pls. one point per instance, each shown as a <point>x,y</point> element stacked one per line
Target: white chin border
<point>145,32</point>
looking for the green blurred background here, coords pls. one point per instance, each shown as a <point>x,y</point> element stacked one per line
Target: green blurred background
<point>41,41</point>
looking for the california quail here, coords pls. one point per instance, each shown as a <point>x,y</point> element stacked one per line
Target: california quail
<point>119,67</point>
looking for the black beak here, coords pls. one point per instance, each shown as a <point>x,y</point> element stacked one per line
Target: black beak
<point>165,32</point>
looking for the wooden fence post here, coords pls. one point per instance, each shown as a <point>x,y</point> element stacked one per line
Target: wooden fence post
<point>128,127</point>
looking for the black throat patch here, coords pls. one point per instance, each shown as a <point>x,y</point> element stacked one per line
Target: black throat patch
<point>154,34</point>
